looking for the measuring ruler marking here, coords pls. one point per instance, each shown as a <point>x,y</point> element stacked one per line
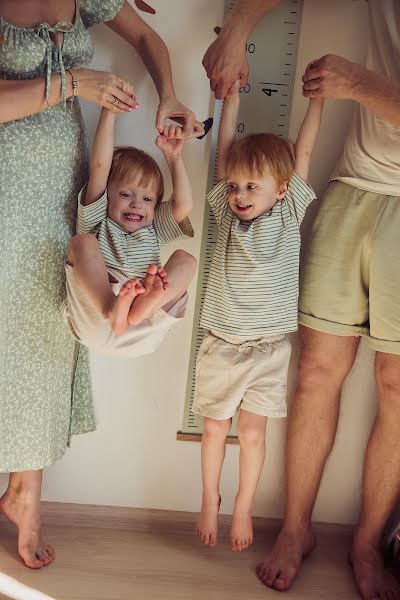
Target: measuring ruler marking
<point>265,106</point>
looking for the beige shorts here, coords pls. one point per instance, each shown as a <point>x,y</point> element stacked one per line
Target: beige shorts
<point>251,375</point>
<point>89,327</point>
<point>350,282</point>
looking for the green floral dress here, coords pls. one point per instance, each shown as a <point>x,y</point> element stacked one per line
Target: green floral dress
<point>45,394</point>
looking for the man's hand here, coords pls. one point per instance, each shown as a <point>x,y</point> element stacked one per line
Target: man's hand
<point>226,62</point>
<point>171,108</point>
<point>331,77</point>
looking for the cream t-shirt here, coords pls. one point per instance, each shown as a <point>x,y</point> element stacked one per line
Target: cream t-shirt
<point>371,155</point>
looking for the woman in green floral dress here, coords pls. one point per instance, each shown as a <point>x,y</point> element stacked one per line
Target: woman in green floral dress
<point>45,394</point>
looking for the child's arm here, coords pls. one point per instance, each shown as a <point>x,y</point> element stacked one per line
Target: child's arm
<point>306,138</point>
<point>101,157</point>
<point>227,130</point>
<point>171,146</point>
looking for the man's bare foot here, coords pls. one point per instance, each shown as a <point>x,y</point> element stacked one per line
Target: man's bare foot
<point>25,515</point>
<point>373,581</point>
<point>155,286</point>
<point>207,524</point>
<point>123,302</point>
<point>241,530</point>
<point>280,567</point>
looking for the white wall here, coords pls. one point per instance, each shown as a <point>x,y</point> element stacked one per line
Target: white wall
<point>134,459</point>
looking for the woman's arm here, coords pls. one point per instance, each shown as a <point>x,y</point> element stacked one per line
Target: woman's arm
<point>152,50</point>
<point>307,136</point>
<point>20,99</point>
<point>227,131</point>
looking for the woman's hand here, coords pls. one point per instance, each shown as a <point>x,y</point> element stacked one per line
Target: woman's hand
<point>106,90</point>
<point>171,108</point>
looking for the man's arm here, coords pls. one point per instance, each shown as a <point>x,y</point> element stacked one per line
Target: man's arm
<point>154,53</point>
<point>225,60</point>
<point>307,136</point>
<point>101,157</point>
<point>227,131</point>
<point>335,77</point>
<point>182,194</point>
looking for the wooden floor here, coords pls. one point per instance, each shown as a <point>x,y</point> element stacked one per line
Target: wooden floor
<point>128,554</point>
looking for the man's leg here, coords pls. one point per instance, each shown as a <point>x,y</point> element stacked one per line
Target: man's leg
<point>381,485</point>
<point>325,361</point>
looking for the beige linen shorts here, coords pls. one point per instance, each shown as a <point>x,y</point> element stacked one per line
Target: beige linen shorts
<point>350,282</point>
<point>89,327</point>
<point>250,375</point>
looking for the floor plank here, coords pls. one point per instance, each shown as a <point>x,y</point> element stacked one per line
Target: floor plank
<point>154,555</point>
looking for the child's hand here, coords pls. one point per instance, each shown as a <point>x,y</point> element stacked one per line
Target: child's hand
<point>169,142</point>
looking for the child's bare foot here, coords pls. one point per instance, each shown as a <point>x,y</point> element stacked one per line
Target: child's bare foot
<point>241,530</point>
<point>207,524</point>
<point>120,310</point>
<point>155,287</point>
<point>24,513</point>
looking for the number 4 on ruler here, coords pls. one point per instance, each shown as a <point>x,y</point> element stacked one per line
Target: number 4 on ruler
<point>268,91</point>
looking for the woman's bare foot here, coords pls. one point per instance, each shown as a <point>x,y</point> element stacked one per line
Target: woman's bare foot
<point>155,286</point>
<point>123,302</point>
<point>373,580</point>
<point>280,567</point>
<point>242,529</point>
<point>24,511</point>
<point>207,524</point>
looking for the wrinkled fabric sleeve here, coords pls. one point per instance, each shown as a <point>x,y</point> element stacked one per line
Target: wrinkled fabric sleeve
<point>99,11</point>
<point>218,200</point>
<point>165,226</point>
<point>298,197</point>
<point>92,215</point>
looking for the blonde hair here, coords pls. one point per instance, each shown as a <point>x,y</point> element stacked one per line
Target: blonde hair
<point>129,163</point>
<point>261,152</point>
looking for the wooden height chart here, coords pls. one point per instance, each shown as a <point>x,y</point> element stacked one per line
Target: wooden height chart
<point>265,105</point>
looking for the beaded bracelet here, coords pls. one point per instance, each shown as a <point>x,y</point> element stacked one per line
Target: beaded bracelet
<point>74,88</point>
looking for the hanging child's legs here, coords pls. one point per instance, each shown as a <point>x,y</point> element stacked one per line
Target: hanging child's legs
<point>163,287</point>
<point>212,458</point>
<point>90,270</point>
<point>251,433</point>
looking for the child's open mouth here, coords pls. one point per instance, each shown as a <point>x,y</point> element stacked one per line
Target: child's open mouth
<point>243,208</point>
<point>133,217</point>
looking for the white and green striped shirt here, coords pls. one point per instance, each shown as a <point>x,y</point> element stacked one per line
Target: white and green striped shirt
<point>130,253</point>
<point>254,279</point>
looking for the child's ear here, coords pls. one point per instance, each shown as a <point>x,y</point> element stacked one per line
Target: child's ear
<point>282,191</point>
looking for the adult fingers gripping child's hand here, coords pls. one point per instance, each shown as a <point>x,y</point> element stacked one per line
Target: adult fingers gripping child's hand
<point>226,62</point>
<point>330,76</point>
<point>171,108</point>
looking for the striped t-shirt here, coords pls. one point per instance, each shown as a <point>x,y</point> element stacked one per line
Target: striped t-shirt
<point>253,285</point>
<point>130,253</point>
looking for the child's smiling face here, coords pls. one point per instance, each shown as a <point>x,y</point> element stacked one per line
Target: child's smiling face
<point>130,205</point>
<point>250,197</point>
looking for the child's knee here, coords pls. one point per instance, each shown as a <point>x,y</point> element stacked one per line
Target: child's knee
<point>81,242</point>
<point>186,258</point>
<point>215,428</point>
<point>250,436</point>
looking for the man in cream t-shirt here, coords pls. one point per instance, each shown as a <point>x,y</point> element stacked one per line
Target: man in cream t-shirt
<point>350,288</point>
